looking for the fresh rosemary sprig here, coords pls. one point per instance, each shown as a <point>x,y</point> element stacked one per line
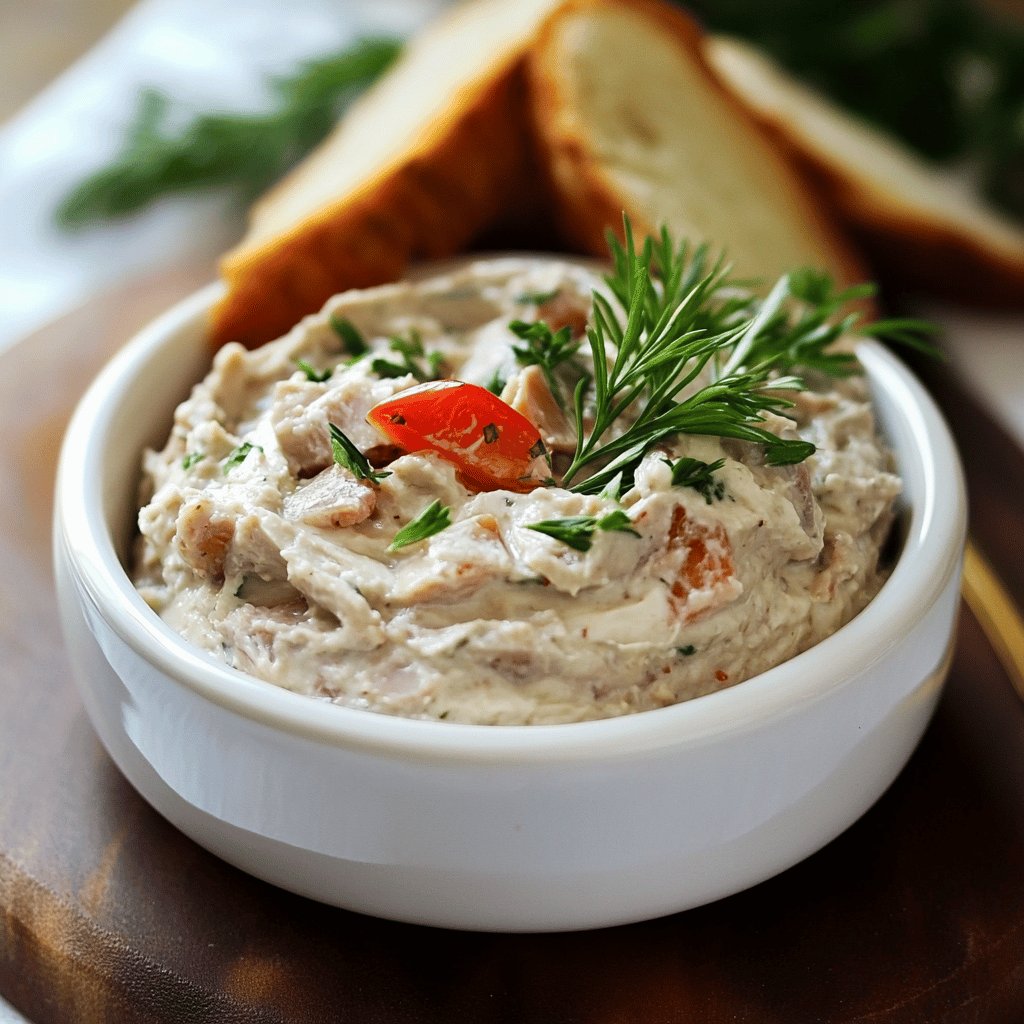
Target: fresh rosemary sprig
<point>673,328</point>
<point>433,519</point>
<point>578,531</point>
<point>348,455</point>
<point>907,332</point>
<point>243,151</point>
<point>801,322</point>
<point>683,315</point>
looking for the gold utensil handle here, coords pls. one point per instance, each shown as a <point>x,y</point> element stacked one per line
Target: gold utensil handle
<point>999,618</point>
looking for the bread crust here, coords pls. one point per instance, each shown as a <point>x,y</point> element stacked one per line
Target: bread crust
<point>915,253</point>
<point>459,175</point>
<point>587,203</point>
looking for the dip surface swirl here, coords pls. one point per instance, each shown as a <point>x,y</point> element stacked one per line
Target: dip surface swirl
<point>257,547</point>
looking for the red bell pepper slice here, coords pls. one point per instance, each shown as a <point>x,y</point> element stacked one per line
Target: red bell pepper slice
<point>493,446</point>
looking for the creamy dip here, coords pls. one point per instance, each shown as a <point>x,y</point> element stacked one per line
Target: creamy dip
<point>258,548</point>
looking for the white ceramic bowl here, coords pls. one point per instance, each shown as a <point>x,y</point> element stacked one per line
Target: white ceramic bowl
<point>496,827</point>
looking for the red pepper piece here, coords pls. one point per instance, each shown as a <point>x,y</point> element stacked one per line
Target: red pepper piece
<point>493,446</point>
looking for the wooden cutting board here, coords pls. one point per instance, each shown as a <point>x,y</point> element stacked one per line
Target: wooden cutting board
<point>915,914</point>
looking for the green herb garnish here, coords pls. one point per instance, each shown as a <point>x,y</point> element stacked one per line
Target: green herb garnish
<point>536,298</point>
<point>686,651</point>
<point>191,459</point>
<point>433,519</point>
<point>913,334</point>
<point>804,322</point>
<point>239,455</point>
<point>683,315</point>
<point>312,373</point>
<point>348,455</point>
<point>691,350</point>
<point>351,338</point>
<point>617,521</point>
<point>414,358</point>
<point>672,331</point>
<point>699,475</point>
<point>496,384</point>
<point>946,76</point>
<point>578,531</point>
<point>545,348</point>
<point>242,151</point>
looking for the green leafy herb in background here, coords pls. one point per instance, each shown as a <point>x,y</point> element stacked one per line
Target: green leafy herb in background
<point>243,151</point>
<point>946,76</point>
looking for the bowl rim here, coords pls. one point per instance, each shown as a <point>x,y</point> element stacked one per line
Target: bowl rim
<point>931,553</point>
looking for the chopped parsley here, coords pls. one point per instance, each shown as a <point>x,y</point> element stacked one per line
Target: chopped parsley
<point>545,348</point>
<point>191,459</point>
<point>496,384</point>
<point>348,455</point>
<point>412,358</point>
<point>578,531</point>
<point>687,650</point>
<point>312,373</point>
<point>351,338</point>
<point>698,475</point>
<point>239,455</point>
<point>536,298</point>
<point>433,519</point>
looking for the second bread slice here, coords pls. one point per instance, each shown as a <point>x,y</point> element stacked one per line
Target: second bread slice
<point>920,228</point>
<point>631,119</point>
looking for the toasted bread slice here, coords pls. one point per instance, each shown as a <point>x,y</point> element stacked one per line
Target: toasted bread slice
<point>920,228</point>
<point>434,153</point>
<point>630,118</point>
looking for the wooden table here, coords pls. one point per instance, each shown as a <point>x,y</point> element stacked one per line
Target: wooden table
<point>916,914</point>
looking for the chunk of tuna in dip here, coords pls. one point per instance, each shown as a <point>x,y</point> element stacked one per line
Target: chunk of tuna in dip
<point>259,548</point>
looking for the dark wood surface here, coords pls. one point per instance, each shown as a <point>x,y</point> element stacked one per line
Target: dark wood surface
<point>915,914</point>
